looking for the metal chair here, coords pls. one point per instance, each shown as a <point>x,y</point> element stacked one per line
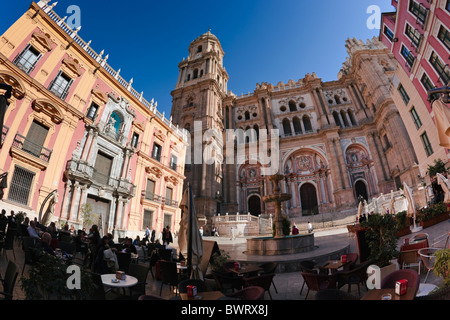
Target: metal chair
<point>427,256</point>
<point>410,258</point>
<point>307,266</point>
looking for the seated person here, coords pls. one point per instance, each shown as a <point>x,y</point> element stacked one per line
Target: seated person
<point>45,243</point>
<point>33,231</point>
<point>129,247</point>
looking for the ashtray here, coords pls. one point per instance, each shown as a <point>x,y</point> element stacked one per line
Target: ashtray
<point>386,296</point>
<point>114,280</point>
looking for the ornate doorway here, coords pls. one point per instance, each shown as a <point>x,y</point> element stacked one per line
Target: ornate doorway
<point>254,205</point>
<point>361,190</point>
<point>308,198</point>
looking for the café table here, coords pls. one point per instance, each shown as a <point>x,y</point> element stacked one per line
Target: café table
<point>207,295</point>
<point>334,265</point>
<point>246,270</point>
<point>109,280</point>
<point>380,294</point>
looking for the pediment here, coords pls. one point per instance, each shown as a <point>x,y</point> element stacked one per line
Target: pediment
<point>18,90</point>
<point>72,65</point>
<point>43,40</point>
<point>103,97</point>
<point>155,171</point>
<point>159,134</point>
<point>49,108</point>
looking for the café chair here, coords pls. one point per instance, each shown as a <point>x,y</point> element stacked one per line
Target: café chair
<point>353,258</point>
<point>124,260</point>
<point>411,275</point>
<point>318,282</point>
<point>169,275</point>
<point>248,293</point>
<point>334,294</point>
<point>307,266</point>
<point>8,242</point>
<point>264,281</point>
<point>270,268</point>
<point>427,256</point>
<point>28,243</point>
<point>410,258</point>
<point>9,281</point>
<point>227,281</point>
<point>200,284</point>
<point>140,272</point>
<point>355,276</point>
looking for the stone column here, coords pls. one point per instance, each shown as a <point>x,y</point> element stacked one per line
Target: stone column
<point>75,197</point>
<point>83,196</point>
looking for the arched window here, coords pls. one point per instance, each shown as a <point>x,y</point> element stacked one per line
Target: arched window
<point>344,118</point>
<point>297,125</point>
<point>307,124</point>
<point>195,76</point>
<point>337,99</point>
<point>287,127</point>
<point>336,119</point>
<point>352,118</point>
<point>247,115</point>
<point>292,106</point>
<point>256,128</point>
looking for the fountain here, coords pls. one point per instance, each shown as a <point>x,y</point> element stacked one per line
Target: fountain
<point>279,244</point>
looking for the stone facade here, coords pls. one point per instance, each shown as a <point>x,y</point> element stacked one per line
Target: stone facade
<point>338,140</point>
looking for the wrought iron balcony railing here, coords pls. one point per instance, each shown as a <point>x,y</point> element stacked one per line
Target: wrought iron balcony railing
<point>32,148</point>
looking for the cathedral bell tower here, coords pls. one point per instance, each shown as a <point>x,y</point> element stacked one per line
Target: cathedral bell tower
<point>197,107</point>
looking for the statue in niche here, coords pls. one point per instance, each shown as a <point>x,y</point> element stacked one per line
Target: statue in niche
<point>110,125</point>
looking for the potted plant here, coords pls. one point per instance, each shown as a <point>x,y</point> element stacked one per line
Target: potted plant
<point>433,214</point>
<point>47,280</point>
<point>442,265</point>
<point>402,224</point>
<point>219,259</point>
<point>382,241</point>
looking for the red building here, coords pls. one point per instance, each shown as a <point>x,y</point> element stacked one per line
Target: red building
<point>418,35</point>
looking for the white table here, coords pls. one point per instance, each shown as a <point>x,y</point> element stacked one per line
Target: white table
<point>129,281</point>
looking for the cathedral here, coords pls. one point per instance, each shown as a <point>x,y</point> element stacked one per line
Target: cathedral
<point>337,141</point>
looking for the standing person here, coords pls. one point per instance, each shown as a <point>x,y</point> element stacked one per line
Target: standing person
<point>233,236</point>
<point>201,232</point>
<point>152,238</point>
<point>310,227</point>
<point>167,236</point>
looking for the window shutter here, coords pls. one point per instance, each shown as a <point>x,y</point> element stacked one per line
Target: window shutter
<point>35,138</point>
<point>34,63</point>
<point>53,81</point>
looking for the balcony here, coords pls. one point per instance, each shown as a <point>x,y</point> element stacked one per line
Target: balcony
<point>26,145</point>
<point>148,196</point>
<point>82,171</point>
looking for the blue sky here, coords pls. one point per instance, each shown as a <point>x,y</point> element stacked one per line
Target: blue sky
<point>264,40</point>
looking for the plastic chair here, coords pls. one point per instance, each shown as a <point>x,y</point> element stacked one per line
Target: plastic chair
<point>248,293</point>
<point>264,281</point>
<point>318,282</point>
<point>427,256</point>
<point>412,276</point>
<point>11,274</point>
<point>410,258</point>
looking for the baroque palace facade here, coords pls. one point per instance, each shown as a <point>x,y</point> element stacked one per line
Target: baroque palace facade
<point>76,129</point>
<point>338,140</point>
